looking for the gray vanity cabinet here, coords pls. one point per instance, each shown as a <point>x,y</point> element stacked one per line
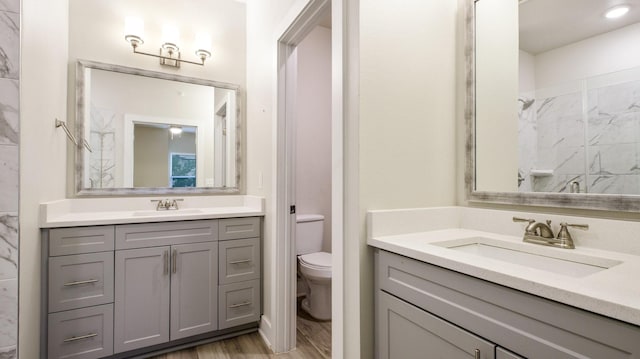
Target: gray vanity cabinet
<point>194,289</point>
<point>415,300</point>
<point>142,298</point>
<point>408,332</point>
<point>129,289</point>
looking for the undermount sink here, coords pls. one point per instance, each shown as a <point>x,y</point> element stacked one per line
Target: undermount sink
<point>172,212</point>
<point>557,261</point>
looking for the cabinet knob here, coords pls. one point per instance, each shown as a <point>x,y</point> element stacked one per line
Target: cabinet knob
<point>476,354</point>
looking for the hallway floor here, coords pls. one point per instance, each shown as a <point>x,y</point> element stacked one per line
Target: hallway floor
<point>313,342</point>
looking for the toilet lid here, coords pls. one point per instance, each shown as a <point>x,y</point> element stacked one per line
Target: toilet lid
<point>318,259</point>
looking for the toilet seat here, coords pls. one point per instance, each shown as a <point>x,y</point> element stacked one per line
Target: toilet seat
<point>316,266</point>
<point>318,260</point>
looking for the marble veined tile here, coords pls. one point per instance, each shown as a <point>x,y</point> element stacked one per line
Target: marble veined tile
<point>8,178</point>
<point>8,312</point>
<point>614,129</point>
<point>9,44</point>
<point>553,108</point>
<point>10,6</point>
<point>570,160</point>
<point>613,159</point>
<point>8,245</point>
<point>9,352</point>
<point>614,184</point>
<point>619,98</point>
<point>9,111</point>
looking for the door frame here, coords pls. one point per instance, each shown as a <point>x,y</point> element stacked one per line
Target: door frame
<point>300,21</point>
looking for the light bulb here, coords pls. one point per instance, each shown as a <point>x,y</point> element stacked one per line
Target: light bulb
<point>134,29</point>
<point>170,37</point>
<point>617,12</point>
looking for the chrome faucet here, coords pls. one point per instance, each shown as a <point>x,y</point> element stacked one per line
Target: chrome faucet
<point>541,233</point>
<point>167,204</point>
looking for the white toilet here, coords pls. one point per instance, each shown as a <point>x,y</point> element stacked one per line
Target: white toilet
<point>314,266</point>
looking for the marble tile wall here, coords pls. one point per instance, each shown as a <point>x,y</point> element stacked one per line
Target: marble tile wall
<point>527,141</point>
<point>609,162</point>
<point>9,142</point>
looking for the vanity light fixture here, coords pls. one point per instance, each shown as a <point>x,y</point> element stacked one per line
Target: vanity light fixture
<point>169,54</point>
<point>616,12</point>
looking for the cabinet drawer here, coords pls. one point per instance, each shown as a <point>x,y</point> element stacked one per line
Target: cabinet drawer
<point>404,331</point>
<point>82,333</point>
<point>239,303</point>
<point>80,280</point>
<point>234,228</point>
<point>77,240</point>
<point>166,233</point>
<point>239,260</point>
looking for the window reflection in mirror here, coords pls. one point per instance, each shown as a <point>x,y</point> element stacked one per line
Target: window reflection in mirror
<point>130,118</point>
<point>557,97</point>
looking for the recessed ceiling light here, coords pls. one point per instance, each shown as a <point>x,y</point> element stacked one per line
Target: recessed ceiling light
<point>616,12</point>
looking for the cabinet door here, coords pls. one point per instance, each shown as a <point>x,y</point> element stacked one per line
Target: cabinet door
<point>194,289</point>
<point>141,298</point>
<point>405,331</point>
<point>502,353</point>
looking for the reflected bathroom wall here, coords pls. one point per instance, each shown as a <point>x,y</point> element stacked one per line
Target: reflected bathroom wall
<point>602,112</point>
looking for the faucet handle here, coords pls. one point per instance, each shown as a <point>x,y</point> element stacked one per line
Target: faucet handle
<point>518,219</point>
<point>584,227</point>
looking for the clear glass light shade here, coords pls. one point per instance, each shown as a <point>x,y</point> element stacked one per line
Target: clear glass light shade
<point>133,29</point>
<point>170,35</point>
<point>617,12</point>
<point>203,41</point>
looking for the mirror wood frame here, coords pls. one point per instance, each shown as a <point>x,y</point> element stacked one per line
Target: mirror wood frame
<point>80,122</point>
<point>624,203</point>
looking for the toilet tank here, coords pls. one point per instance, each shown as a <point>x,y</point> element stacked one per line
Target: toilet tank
<point>309,233</point>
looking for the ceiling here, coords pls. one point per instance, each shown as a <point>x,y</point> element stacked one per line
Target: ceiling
<point>549,24</point>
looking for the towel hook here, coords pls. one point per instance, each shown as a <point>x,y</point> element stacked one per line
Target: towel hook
<point>71,136</point>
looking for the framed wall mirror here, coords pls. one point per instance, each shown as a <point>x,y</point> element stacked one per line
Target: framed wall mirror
<point>149,132</point>
<point>553,103</point>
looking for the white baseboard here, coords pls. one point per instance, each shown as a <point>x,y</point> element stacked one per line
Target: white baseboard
<point>266,331</point>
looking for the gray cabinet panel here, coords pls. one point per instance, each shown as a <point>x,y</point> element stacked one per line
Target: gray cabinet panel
<point>194,289</point>
<point>77,240</point>
<point>80,281</point>
<point>239,260</point>
<point>235,228</point>
<point>165,233</point>
<point>502,353</point>
<point>82,333</point>
<point>408,332</point>
<point>239,303</point>
<point>142,292</point>
<point>531,326</point>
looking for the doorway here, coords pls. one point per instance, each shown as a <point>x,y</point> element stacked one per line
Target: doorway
<point>286,254</point>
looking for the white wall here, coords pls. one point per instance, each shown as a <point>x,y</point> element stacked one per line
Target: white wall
<point>496,101</point>
<point>407,128</point>
<point>96,32</point>
<point>43,148</point>
<point>527,72</point>
<point>313,128</point>
<point>612,51</point>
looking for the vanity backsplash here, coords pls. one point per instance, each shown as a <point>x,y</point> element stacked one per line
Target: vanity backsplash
<point>605,234</point>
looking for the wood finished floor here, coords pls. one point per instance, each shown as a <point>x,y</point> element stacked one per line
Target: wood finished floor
<point>313,342</point>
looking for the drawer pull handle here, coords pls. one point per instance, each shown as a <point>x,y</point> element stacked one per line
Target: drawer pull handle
<point>241,261</point>
<point>476,354</point>
<point>239,305</point>
<point>175,261</point>
<point>80,282</point>
<point>166,262</point>
<point>73,339</point>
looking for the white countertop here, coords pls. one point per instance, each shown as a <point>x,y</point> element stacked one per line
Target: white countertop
<point>613,292</point>
<point>102,211</point>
